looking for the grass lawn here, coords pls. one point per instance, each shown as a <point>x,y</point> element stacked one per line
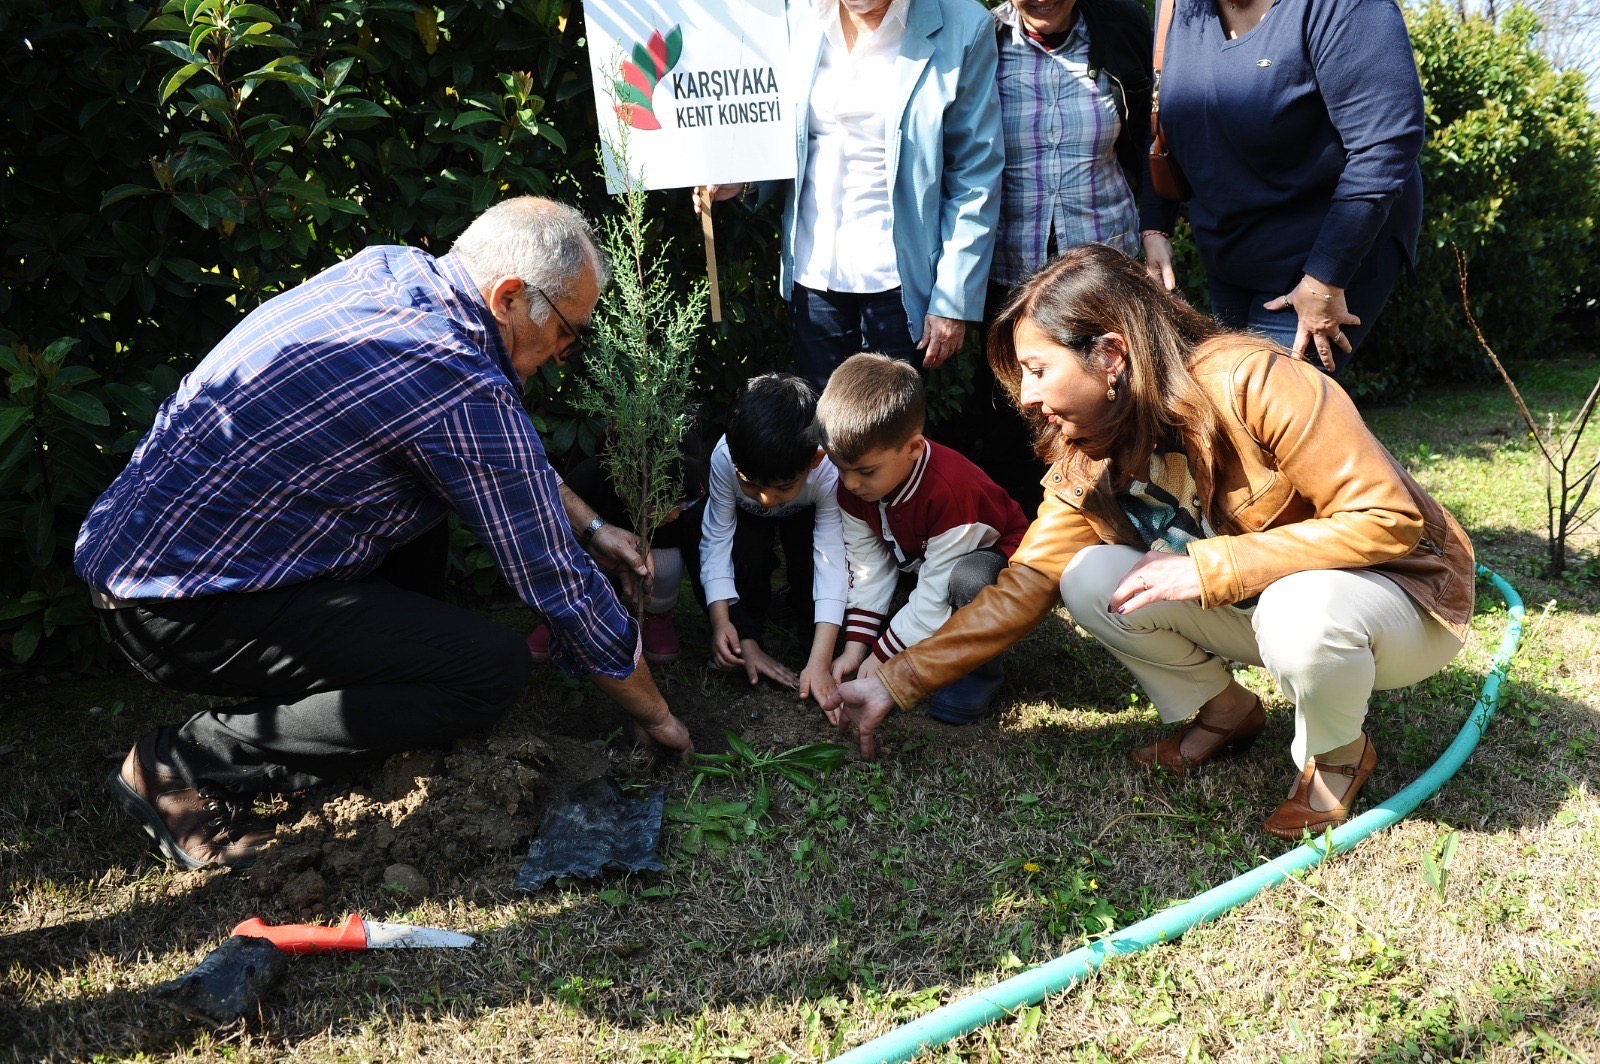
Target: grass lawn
<point>798,930</point>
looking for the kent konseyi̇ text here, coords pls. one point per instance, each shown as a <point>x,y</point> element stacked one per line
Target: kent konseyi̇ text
<point>716,86</point>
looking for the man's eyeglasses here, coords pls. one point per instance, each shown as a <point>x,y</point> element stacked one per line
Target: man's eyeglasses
<point>580,337</point>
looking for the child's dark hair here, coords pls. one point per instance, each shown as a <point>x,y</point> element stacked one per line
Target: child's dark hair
<point>772,430</point>
<point>871,402</point>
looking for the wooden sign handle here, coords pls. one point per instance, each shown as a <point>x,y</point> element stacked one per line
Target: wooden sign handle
<point>711,254</point>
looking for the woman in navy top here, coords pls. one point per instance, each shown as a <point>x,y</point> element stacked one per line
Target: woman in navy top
<point>1298,124</point>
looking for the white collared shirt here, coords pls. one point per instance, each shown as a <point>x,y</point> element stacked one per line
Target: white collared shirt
<point>845,238</point>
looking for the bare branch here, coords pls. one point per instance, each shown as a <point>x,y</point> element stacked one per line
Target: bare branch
<point>1533,427</point>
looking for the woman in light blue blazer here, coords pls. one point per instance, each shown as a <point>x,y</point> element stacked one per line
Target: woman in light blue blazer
<point>890,225</point>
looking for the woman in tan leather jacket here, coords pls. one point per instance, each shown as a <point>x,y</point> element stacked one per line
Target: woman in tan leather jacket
<point>1209,499</point>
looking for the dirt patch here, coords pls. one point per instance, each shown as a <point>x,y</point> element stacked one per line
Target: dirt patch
<point>463,817</point>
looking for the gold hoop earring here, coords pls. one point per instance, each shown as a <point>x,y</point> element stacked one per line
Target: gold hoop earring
<point>1111,391</point>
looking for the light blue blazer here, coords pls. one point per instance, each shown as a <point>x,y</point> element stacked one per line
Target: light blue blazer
<point>945,161</point>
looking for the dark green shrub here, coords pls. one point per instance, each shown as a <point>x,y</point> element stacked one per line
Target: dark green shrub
<point>1511,175</point>
<point>167,167</point>
<point>63,433</point>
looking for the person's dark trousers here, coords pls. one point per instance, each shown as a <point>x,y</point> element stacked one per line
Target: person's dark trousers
<point>335,675</point>
<point>755,560</point>
<point>1240,307</point>
<point>828,327</point>
<point>970,698</point>
<point>989,430</point>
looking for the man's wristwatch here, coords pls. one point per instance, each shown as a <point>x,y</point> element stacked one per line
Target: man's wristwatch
<point>587,535</point>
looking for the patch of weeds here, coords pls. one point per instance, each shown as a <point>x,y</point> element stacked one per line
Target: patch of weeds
<point>904,1004</point>
<point>716,824</point>
<point>809,859</point>
<point>578,993</point>
<point>1436,862</point>
<point>704,1045</point>
<point>1063,896</point>
<point>801,766</point>
<point>825,1025</point>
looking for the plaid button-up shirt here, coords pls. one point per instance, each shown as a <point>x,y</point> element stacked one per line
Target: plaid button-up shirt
<point>1062,176</point>
<point>337,421</point>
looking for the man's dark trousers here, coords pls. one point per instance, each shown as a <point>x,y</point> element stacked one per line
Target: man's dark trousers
<point>336,676</point>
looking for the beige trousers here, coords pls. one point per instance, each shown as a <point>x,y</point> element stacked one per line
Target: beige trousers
<point>1329,637</point>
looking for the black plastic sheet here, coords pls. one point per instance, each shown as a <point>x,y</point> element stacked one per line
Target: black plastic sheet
<point>594,829</point>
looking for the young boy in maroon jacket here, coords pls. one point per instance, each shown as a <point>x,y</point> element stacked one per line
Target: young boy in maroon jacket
<point>912,509</point>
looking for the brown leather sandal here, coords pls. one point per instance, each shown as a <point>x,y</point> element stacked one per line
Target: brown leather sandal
<point>1235,740</point>
<point>1295,816</point>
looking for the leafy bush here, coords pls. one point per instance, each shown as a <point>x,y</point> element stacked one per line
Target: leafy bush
<point>1511,175</point>
<point>170,166</point>
<point>60,444</point>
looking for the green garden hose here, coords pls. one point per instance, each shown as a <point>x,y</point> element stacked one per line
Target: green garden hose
<point>1004,999</point>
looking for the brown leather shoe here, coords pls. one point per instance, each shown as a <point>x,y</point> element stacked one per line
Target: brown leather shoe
<point>1168,752</point>
<point>1296,816</point>
<point>191,829</point>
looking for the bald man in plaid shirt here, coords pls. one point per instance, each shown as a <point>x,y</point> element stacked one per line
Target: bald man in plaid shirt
<point>253,546</point>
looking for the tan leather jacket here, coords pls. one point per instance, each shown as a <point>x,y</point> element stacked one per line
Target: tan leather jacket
<point>1307,487</point>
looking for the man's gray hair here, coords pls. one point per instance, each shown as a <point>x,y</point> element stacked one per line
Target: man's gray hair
<point>543,243</point>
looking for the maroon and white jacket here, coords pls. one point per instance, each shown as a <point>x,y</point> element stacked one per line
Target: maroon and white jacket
<point>945,509</point>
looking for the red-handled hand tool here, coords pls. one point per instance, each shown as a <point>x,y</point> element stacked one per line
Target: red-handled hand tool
<point>354,934</point>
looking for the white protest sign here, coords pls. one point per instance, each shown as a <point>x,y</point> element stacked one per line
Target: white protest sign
<point>700,85</point>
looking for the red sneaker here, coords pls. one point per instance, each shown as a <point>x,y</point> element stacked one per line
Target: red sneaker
<point>539,643</point>
<point>660,639</point>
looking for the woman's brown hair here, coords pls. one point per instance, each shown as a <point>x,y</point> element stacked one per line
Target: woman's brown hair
<point>1075,299</point>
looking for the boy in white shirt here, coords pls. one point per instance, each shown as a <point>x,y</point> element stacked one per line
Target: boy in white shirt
<point>771,482</point>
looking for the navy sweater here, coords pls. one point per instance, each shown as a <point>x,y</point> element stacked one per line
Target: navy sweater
<point>1300,139</point>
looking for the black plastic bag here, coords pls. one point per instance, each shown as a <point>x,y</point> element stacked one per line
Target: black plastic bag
<point>593,829</point>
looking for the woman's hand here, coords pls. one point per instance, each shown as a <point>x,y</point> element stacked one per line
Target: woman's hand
<point>941,338</point>
<point>1323,316</point>
<point>713,194</point>
<point>1157,577</point>
<point>1158,259</point>
<point>863,703</point>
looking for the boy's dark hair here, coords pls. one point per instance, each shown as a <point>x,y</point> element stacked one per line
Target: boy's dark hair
<point>772,430</point>
<point>871,402</point>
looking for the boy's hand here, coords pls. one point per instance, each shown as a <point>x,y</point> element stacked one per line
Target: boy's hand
<point>846,664</point>
<point>863,703</point>
<point>816,681</point>
<point>758,663</point>
<point>869,667</point>
<point>725,645</point>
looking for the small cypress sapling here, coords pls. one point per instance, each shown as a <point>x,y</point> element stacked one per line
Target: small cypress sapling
<point>639,368</point>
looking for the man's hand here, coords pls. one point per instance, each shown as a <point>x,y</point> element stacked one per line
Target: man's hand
<point>1157,577</point>
<point>653,721</point>
<point>758,663</point>
<point>669,734</point>
<point>862,704</point>
<point>941,338</point>
<point>617,552</point>
<point>846,664</point>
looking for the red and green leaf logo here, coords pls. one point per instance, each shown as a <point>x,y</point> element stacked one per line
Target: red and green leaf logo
<point>650,63</point>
